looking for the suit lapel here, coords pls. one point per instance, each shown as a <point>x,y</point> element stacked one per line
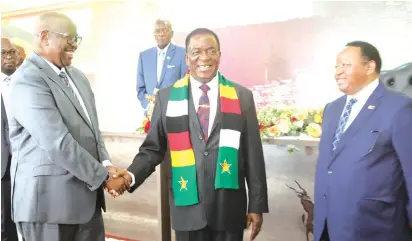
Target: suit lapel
<point>194,121</point>
<point>85,97</point>
<point>168,59</point>
<point>360,120</point>
<point>48,72</point>
<point>3,110</point>
<point>336,112</point>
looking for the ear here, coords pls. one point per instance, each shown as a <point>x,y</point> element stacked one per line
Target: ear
<point>371,67</point>
<point>44,38</point>
<point>187,59</point>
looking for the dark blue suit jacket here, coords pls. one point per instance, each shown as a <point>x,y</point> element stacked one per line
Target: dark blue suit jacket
<point>174,68</point>
<point>362,188</point>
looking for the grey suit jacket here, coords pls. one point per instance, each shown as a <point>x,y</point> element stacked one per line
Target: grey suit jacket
<point>221,209</point>
<point>5,150</point>
<point>56,169</point>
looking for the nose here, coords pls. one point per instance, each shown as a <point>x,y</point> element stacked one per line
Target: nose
<point>9,56</point>
<point>339,71</point>
<point>204,56</point>
<point>74,45</point>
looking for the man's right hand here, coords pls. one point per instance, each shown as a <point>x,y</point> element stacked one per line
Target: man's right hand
<point>119,181</point>
<point>115,172</point>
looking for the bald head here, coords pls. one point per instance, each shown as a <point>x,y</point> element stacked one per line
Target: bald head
<point>56,38</point>
<point>163,33</point>
<point>165,23</point>
<point>53,21</point>
<point>8,57</point>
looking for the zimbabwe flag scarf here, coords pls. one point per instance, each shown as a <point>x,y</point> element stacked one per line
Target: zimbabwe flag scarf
<point>181,151</point>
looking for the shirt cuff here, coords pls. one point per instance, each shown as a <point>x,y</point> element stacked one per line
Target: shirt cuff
<point>133,180</point>
<point>107,163</point>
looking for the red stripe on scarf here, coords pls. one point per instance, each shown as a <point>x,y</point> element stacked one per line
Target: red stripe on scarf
<point>179,141</point>
<point>230,106</point>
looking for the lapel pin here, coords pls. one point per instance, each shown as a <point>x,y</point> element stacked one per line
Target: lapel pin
<point>371,107</point>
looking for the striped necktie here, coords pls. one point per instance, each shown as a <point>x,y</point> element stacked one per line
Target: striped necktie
<point>342,122</point>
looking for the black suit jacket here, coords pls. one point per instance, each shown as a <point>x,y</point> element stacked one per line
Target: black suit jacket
<point>5,150</point>
<point>222,209</point>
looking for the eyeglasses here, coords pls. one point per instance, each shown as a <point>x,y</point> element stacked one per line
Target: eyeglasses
<point>70,39</point>
<point>11,52</point>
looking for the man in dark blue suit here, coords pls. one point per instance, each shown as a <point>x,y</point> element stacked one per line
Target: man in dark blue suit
<point>364,170</point>
<point>160,66</point>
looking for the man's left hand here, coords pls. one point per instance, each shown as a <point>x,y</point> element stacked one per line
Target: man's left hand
<point>117,186</point>
<point>256,219</point>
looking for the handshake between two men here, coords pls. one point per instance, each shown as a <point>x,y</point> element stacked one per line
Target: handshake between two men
<point>118,182</point>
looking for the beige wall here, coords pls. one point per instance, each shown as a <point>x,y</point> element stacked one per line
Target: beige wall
<point>116,31</point>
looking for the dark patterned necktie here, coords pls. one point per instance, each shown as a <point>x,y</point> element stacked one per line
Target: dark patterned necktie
<point>204,111</point>
<point>63,76</point>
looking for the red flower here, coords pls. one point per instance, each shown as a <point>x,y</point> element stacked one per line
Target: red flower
<point>147,126</point>
<point>293,119</point>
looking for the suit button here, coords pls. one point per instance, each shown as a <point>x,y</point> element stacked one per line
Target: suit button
<point>206,153</point>
<point>329,172</point>
<point>200,137</point>
<point>324,196</point>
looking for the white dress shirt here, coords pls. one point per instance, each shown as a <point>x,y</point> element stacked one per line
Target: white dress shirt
<point>213,95</point>
<point>362,96</point>
<point>161,55</point>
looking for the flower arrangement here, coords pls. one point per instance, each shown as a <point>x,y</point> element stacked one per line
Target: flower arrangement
<point>144,128</point>
<point>290,121</point>
<point>273,122</point>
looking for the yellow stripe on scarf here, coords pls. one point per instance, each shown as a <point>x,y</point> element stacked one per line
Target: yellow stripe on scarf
<point>228,92</point>
<point>182,158</point>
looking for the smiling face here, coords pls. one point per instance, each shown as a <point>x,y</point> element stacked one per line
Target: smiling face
<point>353,71</point>
<point>60,44</point>
<point>203,57</point>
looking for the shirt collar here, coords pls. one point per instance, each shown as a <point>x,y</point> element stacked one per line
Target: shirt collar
<point>164,50</point>
<point>213,84</point>
<point>363,95</point>
<point>54,67</point>
<point>4,77</point>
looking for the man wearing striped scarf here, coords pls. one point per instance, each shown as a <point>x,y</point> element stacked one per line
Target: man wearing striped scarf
<point>207,128</point>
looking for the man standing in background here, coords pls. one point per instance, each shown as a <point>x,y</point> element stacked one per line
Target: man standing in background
<point>8,67</point>
<point>160,66</point>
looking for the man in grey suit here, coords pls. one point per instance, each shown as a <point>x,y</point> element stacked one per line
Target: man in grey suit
<point>59,157</point>
<point>207,127</point>
<point>8,67</point>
